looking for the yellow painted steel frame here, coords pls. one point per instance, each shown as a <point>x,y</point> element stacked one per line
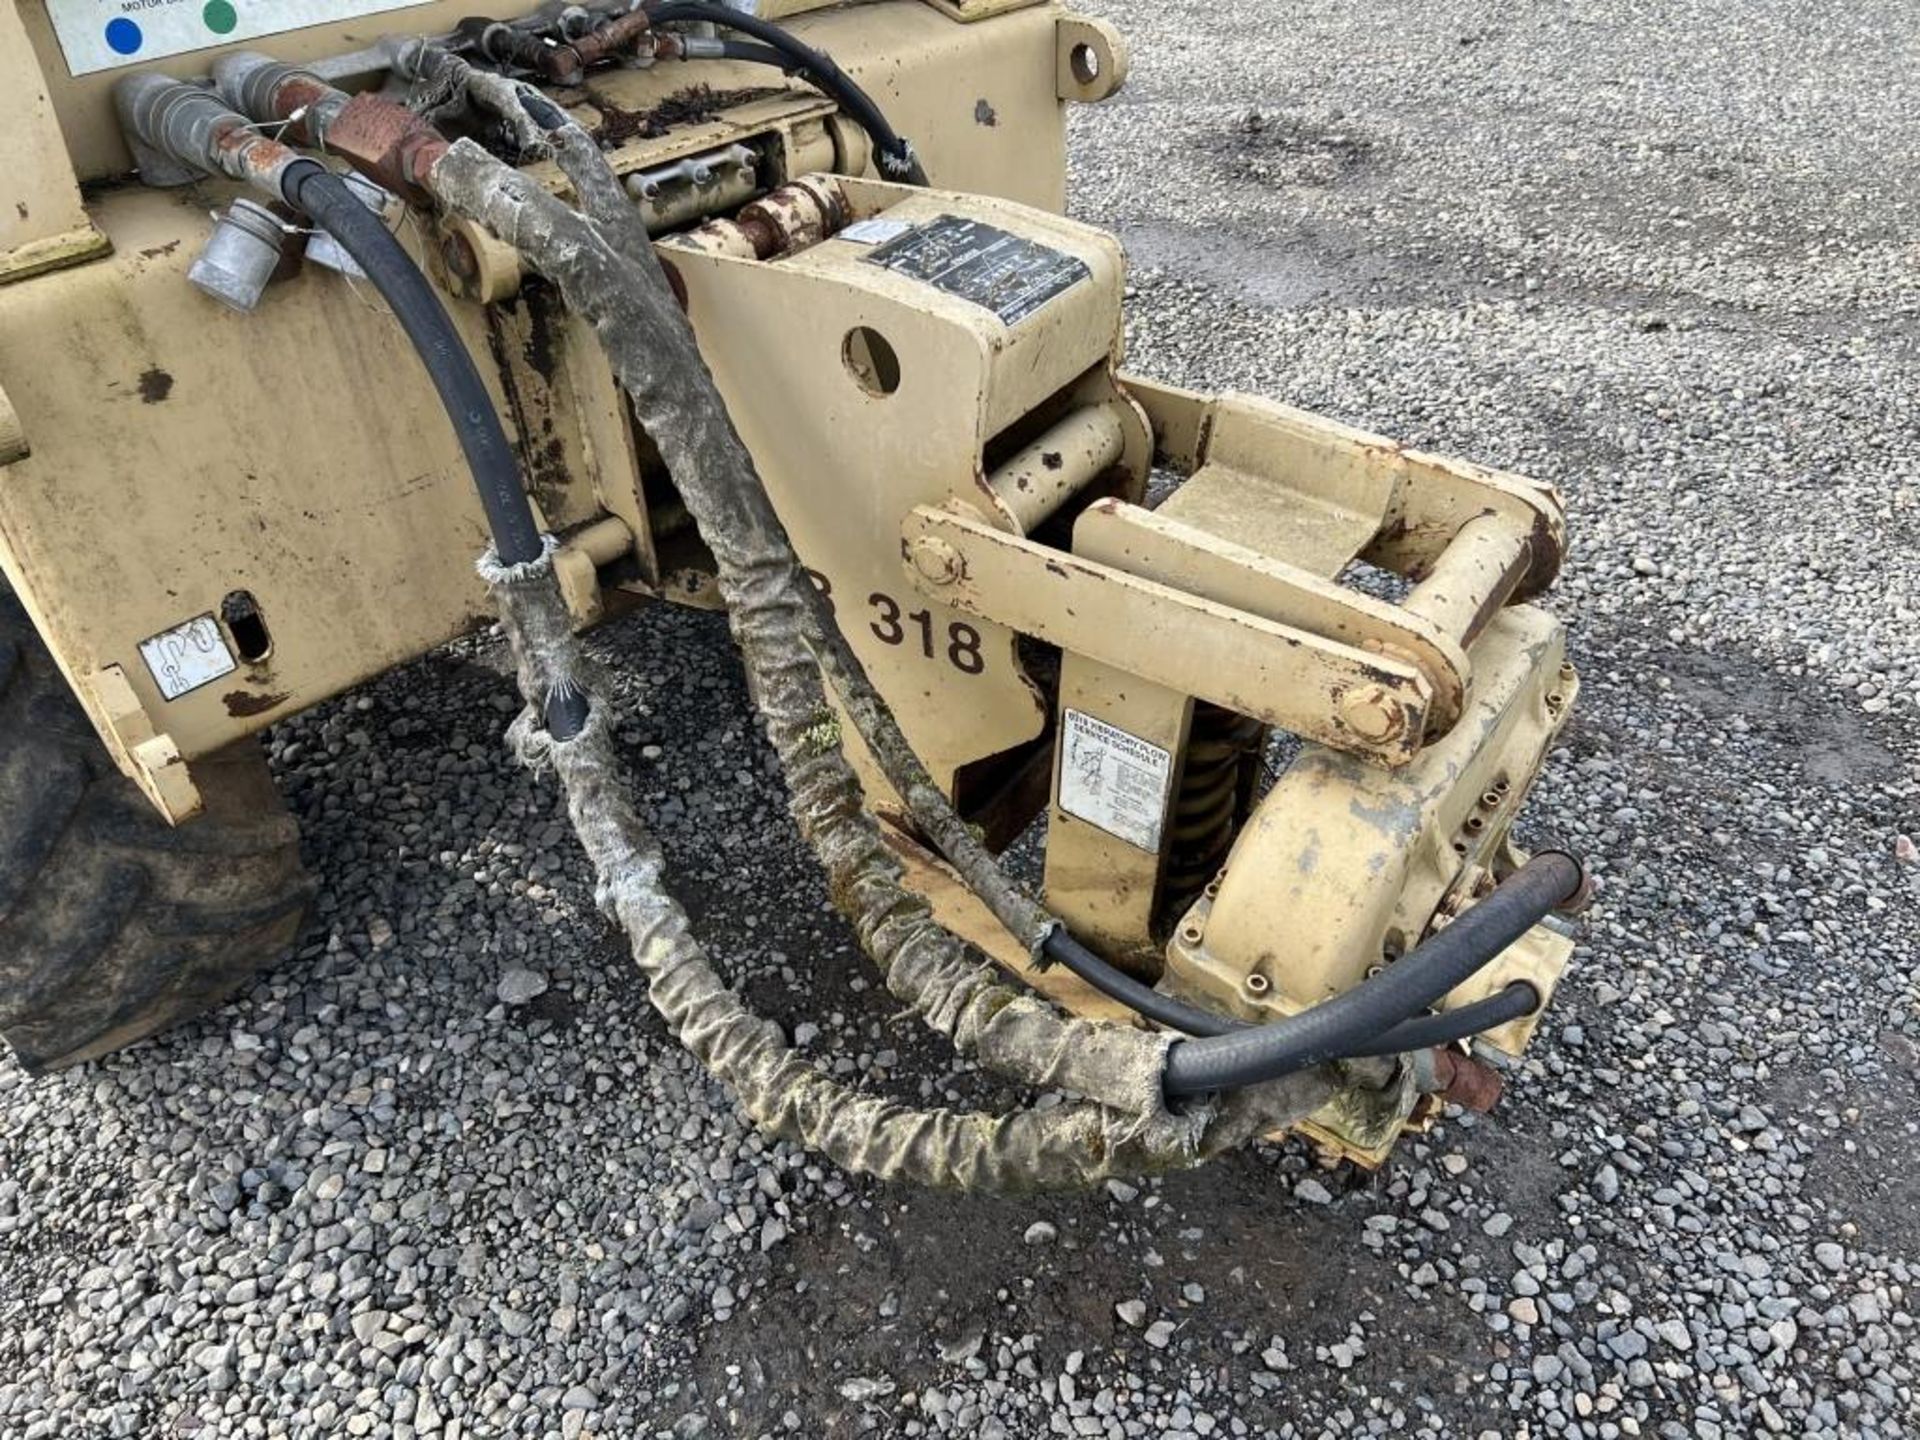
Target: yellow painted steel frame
<point>847,447</point>
<point>167,454</point>
<point>962,483</point>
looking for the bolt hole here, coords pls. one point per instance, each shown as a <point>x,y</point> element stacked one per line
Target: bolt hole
<point>1491,800</point>
<point>1476,824</point>
<point>1084,61</point>
<point>1257,984</point>
<point>247,625</point>
<point>870,360</point>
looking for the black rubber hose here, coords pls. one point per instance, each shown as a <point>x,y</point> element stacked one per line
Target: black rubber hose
<point>755,53</point>
<point>1423,1032</point>
<point>897,160</point>
<point>1136,995</point>
<point>1362,1016</point>
<point>310,187</point>
<point>1513,1000</point>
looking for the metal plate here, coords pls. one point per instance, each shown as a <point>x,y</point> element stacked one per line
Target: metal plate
<point>1007,274</point>
<point>188,656</point>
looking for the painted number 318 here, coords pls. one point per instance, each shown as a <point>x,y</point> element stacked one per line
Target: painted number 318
<point>959,647</point>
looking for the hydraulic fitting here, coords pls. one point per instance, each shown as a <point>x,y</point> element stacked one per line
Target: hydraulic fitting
<point>246,247</point>
<point>256,84</point>
<point>179,132</point>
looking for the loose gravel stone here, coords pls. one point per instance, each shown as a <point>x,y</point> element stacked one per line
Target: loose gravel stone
<point>394,1189</point>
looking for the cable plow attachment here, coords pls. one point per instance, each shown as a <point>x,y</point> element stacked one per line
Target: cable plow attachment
<point>1124,1124</point>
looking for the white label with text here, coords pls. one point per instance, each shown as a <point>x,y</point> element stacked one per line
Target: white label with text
<point>1114,780</point>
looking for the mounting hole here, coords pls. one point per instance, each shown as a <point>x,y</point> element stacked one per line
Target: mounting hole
<point>1084,61</point>
<point>870,360</point>
<point>247,625</point>
<point>1257,984</point>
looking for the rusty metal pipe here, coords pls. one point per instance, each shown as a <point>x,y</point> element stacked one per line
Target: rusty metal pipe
<point>566,64</point>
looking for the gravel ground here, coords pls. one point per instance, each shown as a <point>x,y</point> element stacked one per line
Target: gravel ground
<point>443,1174</point>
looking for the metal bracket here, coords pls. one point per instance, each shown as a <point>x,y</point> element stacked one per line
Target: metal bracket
<point>1091,59</point>
<point>147,756</point>
<point>1251,663</point>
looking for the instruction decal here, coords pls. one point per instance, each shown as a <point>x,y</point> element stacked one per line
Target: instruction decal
<point>108,34</point>
<point>876,230</point>
<point>1006,274</point>
<point>1114,780</point>
<point>187,656</point>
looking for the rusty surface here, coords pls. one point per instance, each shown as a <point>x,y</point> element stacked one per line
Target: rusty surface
<point>303,95</point>
<point>564,63</point>
<point>691,106</point>
<point>1464,1081</point>
<point>793,217</point>
<point>245,154</point>
<point>387,143</point>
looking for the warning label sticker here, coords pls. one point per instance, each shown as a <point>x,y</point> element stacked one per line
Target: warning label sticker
<point>108,34</point>
<point>1003,273</point>
<point>1114,780</point>
<point>187,657</point>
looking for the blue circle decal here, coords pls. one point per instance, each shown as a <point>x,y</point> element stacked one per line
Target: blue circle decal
<point>123,36</point>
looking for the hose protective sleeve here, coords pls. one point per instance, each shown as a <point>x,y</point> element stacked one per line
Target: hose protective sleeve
<point>622,292</point>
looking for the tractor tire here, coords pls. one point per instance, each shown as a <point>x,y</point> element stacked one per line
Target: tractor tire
<point>114,924</point>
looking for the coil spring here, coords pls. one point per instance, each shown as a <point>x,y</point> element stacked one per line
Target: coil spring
<point>1216,790</point>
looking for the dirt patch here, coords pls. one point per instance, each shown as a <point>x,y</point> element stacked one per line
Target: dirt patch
<point>1849,1169</point>
<point>1289,150</point>
<point>691,106</point>
<point>904,1293</point>
<point>1833,746</point>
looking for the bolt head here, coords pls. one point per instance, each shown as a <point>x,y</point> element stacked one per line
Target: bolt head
<point>1373,714</point>
<point>936,561</point>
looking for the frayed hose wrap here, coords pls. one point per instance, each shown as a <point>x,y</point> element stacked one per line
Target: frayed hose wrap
<point>1070,1145</point>
<point>490,457</point>
<point>622,293</point>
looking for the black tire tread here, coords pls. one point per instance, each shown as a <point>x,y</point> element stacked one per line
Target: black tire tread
<point>113,924</point>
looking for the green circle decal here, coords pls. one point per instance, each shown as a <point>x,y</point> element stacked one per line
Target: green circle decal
<point>220,16</point>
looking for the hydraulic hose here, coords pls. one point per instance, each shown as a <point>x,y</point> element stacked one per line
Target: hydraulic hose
<point>496,470</point>
<point>1419,1033</point>
<point>1513,1001</point>
<point>1360,1017</point>
<point>894,154</point>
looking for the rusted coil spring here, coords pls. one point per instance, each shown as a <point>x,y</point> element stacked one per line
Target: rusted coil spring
<point>1216,792</point>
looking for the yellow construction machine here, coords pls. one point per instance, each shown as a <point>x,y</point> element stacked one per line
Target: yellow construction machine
<point>305,306</point>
